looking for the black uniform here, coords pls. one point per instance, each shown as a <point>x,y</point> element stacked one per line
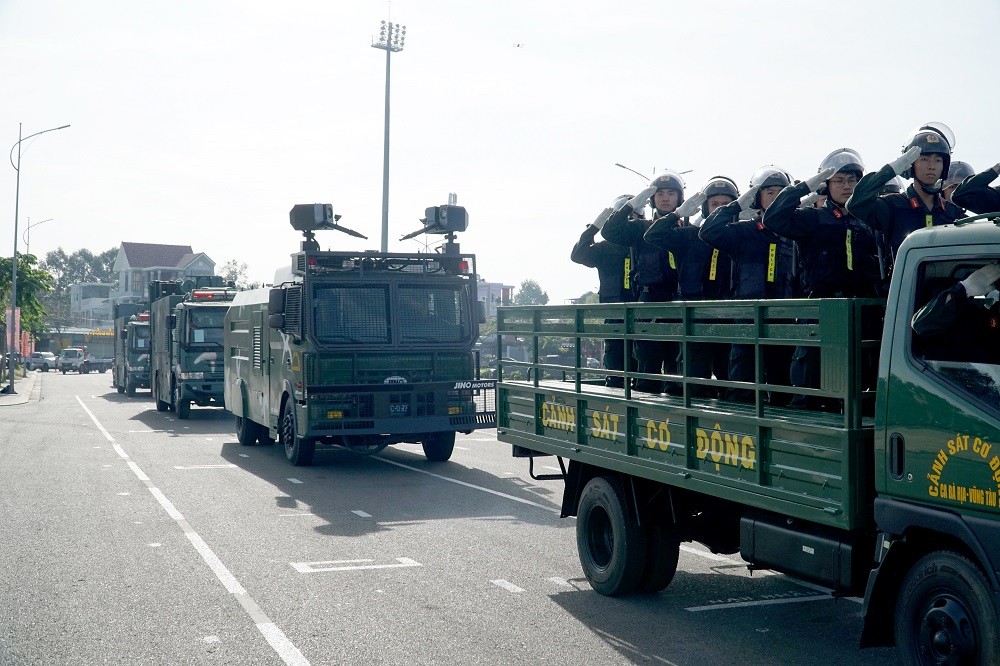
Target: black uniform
<point>614,268</point>
<point>762,269</point>
<point>954,327</point>
<point>838,257</point>
<point>977,195</point>
<point>703,273</point>
<point>655,280</point>
<point>897,215</point>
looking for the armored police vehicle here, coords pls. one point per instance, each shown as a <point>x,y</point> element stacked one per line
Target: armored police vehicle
<point>887,487</point>
<point>360,349</point>
<point>132,351</point>
<point>186,334</point>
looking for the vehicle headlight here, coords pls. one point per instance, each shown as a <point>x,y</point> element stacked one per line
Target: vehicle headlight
<point>192,375</point>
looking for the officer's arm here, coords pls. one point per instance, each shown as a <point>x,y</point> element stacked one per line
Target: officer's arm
<point>941,313</point>
<point>622,231</point>
<point>865,203</point>
<point>716,230</point>
<point>977,195</point>
<point>784,217</point>
<point>661,232</point>
<point>583,252</point>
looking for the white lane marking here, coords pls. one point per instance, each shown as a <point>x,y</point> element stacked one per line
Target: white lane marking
<point>209,439</point>
<point>707,555</point>
<point>554,469</point>
<point>351,565</point>
<point>276,638</point>
<point>243,455</point>
<point>224,466</point>
<point>762,602</point>
<point>559,581</point>
<point>461,448</point>
<point>468,485</point>
<point>361,513</point>
<point>212,639</point>
<point>124,494</point>
<point>510,587</point>
<point>294,480</point>
<point>155,545</point>
<point>138,472</point>
<point>294,515</point>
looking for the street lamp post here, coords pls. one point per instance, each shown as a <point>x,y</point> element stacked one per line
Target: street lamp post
<point>26,236</point>
<point>390,40</point>
<point>12,329</point>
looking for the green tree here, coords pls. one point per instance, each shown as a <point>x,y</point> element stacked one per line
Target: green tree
<point>530,293</point>
<point>32,283</point>
<point>235,272</point>
<point>80,266</point>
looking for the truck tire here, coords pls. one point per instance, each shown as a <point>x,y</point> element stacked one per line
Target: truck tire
<point>944,614</point>
<point>439,446</point>
<point>129,386</point>
<point>161,406</point>
<point>663,549</point>
<point>63,370</point>
<point>181,406</point>
<point>611,545</point>
<point>298,450</point>
<point>121,389</point>
<point>84,369</point>
<point>247,432</point>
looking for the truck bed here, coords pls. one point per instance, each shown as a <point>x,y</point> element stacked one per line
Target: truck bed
<point>805,464</point>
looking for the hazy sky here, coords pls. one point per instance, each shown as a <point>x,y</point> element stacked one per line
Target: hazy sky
<point>203,122</point>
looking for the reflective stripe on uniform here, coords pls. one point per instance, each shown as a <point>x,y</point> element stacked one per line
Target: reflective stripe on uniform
<point>670,260</point>
<point>627,283</point>
<point>850,253</point>
<point>928,220</point>
<point>714,264</point>
<point>772,251</point>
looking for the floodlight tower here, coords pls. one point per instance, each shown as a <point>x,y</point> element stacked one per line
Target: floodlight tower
<point>390,40</point>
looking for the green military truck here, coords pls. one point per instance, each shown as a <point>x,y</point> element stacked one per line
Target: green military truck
<point>359,349</point>
<point>186,320</point>
<point>891,493</point>
<point>131,367</point>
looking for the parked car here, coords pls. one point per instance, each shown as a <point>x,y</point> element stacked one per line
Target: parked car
<point>78,360</point>
<point>43,361</point>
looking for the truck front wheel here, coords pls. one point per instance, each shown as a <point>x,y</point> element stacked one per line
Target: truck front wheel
<point>181,406</point>
<point>161,405</point>
<point>944,614</point>
<point>298,450</point>
<point>247,432</point>
<point>439,446</point>
<point>129,386</point>
<point>611,544</point>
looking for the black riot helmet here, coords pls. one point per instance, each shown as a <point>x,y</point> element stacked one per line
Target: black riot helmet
<point>768,176</point>
<point>894,186</point>
<point>716,186</point>
<point>669,180</point>
<point>930,142</point>
<point>958,172</point>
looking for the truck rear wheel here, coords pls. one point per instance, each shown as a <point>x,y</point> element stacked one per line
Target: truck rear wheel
<point>129,386</point>
<point>298,450</point>
<point>662,552</point>
<point>161,406</point>
<point>944,614</point>
<point>247,432</point>
<point>610,542</point>
<point>439,446</point>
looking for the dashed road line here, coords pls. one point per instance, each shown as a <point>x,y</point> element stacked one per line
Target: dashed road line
<point>293,480</point>
<point>274,636</point>
<point>507,585</point>
<point>351,565</point>
<point>359,512</point>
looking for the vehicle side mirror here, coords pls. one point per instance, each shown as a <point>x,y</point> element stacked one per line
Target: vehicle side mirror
<point>275,303</point>
<point>481,311</point>
<point>121,334</point>
<point>171,321</point>
<point>276,320</point>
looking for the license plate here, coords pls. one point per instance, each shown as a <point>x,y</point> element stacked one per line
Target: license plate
<point>399,410</point>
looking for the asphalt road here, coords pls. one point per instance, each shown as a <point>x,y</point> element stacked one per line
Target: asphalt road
<point>130,537</point>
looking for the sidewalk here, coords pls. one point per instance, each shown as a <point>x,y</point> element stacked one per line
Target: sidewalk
<point>23,386</point>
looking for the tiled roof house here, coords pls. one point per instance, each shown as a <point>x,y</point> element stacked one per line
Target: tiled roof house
<point>138,263</point>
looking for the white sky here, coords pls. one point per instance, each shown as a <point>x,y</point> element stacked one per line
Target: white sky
<point>203,122</point>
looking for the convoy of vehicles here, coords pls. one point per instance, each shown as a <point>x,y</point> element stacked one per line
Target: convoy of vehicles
<point>186,340</point>
<point>892,493</point>
<point>132,349</point>
<point>360,349</point>
<point>78,359</point>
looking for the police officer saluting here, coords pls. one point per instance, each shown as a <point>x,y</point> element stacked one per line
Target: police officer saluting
<point>655,269</point>
<point>703,271</point>
<point>762,268</point>
<point>976,193</point>
<point>613,264</point>
<point>837,251</point>
<point>926,158</point>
